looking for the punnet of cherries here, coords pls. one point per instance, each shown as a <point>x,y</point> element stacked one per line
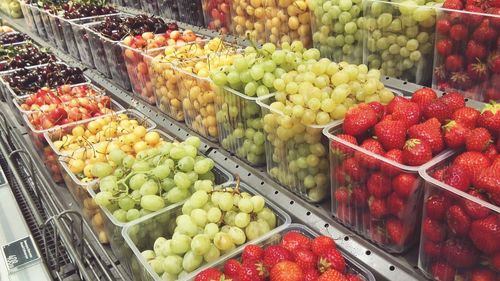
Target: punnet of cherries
<point>467,46</point>
<point>11,38</point>
<point>116,28</point>
<point>296,258</point>
<point>24,55</point>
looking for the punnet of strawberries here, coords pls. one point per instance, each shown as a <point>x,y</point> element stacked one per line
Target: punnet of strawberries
<point>461,237</point>
<point>375,156</point>
<point>297,257</point>
<point>467,48</point>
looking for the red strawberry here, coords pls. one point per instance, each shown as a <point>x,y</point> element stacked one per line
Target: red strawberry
<point>305,259</point>
<point>339,174</point>
<point>294,240</point>
<point>252,271</point>
<point>430,132</point>
<point>395,205</point>
<point>482,274</point>
<point>389,169</point>
<point>311,275</point>
<point>489,180</point>
<point>332,275</point>
<point>287,271</point>
<point>232,268</point>
<point>321,244</point>
<point>472,162</point>
<point>342,195</point>
<point>485,234</point>
<point>359,197</point>
<point>379,108</point>
<point>459,253</point>
<point>492,94</point>
<point>394,103</point>
<point>458,221</point>
<point>438,109</point>
<point>494,62</point>
<point>341,149</point>
<point>454,63</point>
<point>274,254</point>
<point>359,119</point>
<point>484,33</point>
<point>474,18</point>
<point>453,4</point>
<point>404,184</point>
<point>209,274</point>
<point>460,80</point>
<point>478,71</point>
<point>454,100</point>
<point>444,47</point>
<point>378,185</point>
<point>436,206</point>
<point>391,134</point>
<point>475,51</point>
<point>331,259</point>
<point>478,140</point>
<point>443,272</point>
<point>416,152</point>
<point>378,207</point>
<point>433,230</point>
<point>491,152</point>
<point>466,116</point>
<point>355,171</point>
<point>354,277</point>
<point>475,210</point>
<point>432,249</point>
<point>454,134</point>
<point>443,26</point>
<point>439,173</point>
<point>457,177</point>
<point>395,231</point>
<point>490,118</point>
<point>366,160</point>
<point>252,253</point>
<point>409,113</point>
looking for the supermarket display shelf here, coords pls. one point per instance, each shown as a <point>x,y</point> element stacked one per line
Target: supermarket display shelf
<point>383,265</point>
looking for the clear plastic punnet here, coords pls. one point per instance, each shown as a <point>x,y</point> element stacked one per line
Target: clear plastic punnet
<point>28,16</point>
<point>399,39</point>
<point>114,228</point>
<point>296,154</point>
<point>65,141</point>
<point>477,235</point>
<point>378,174</point>
<point>217,15</point>
<point>57,29</point>
<point>248,21</point>
<point>191,12</point>
<point>466,57</point>
<point>240,128</point>
<point>168,9</point>
<point>136,4</point>
<point>141,235</point>
<point>36,12</point>
<point>352,265</point>
<point>44,15</point>
<point>150,6</point>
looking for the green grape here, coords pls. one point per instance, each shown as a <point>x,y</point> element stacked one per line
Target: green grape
<point>211,229</point>
<point>214,215</point>
<point>203,166</point>
<point>267,215</point>
<point>252,230</point>
<point>165,249</point>
<point>191,261</point>
<point>205,185</point>
<point>133,214</point>
<point>199,217</point>
<point>152,202</point>
<point>161,172</point>
<point>245,205</point>
<point>108,185</point>
<point>148,255</point>
<point>103,198</point>
<point>223,241</point>
<point>180,243</point>
<point>117,156</point>
<point>212,254</point>
<point>141,166</point>
<point>126,203</point>
<point>251,88</point>
<point>101,170</point>
<point>225,202</point>
<point>182,180</point>
<point>120,215</point>
<point>200,244</point>
<point>167,184</point>
<point>168,277</point>
<point>177,152</point>
<point>172,264</point>
<point>186,164</point>
<point>258,203</point>
<point>241,220</point>
<point>149,188</point>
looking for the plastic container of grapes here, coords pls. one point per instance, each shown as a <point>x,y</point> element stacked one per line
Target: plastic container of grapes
<point>44,150</point>
<point>59,133</point>
<point>141,235</point>
<point>329,35</point>
<point>36,12</point>
<point>198,103</point>
<point>28,16</point>
<point>114,229</point>
<point>69,36</point>
<point>403,53</point>
<point>352,265</point>
<point>248,26</point>
<point>356,214</point>
<point>44,15</point>
<point>239,122</point>
<point>168,9</point>
<point>485,87</point>
<point>57,29</point>
<point>217,15</point>
<point>18,101</point>
<point>484,211</point>
<point>296,156</point>
<point>138,68</point>
<point>191,12</point>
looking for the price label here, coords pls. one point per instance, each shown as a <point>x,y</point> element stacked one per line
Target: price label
<point>19,253</point>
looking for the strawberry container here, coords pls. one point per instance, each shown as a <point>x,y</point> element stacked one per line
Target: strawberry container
<point>245,23</point>
<point>44,15</point>
<point>190,12</point>
<point>352,265</point>
<point>64,142</point>
<point>57,29</point>
<point>376,197</point>
<point>329,35</point>
<point>141,235</point>
<point>115,229</point>
<point>239,121</point>
<point>467,57</point>
<point>168,9</point>
<point>400,40</point>
<point>460,232</point>
<point>43,149</point>
<point>217,15</point>
<point>295,153</point>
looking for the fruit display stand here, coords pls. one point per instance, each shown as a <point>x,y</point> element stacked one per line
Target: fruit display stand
<point>465,57</point>
<point>163,224</point>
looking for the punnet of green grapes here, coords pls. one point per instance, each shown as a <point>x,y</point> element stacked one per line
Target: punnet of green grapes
<point>154,178</point>
<point>213,222</point>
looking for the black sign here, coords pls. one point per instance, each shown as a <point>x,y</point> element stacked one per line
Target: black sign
<point>20,252</point>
